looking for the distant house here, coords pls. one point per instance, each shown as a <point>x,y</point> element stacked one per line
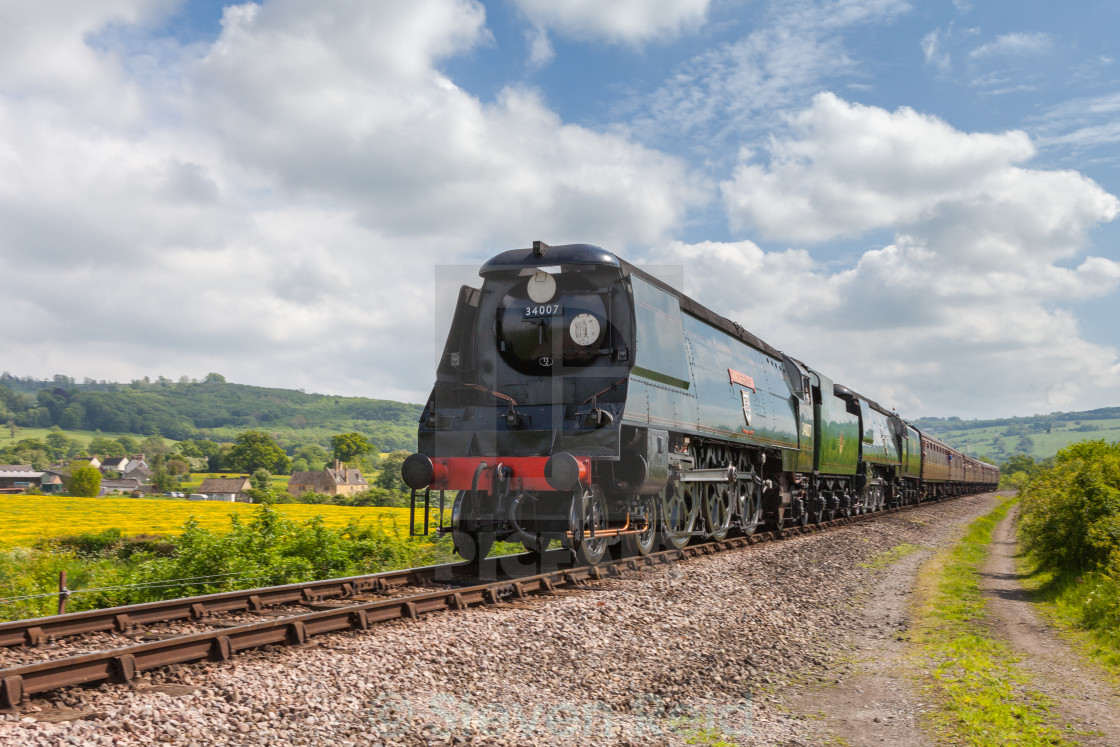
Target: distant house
<point>17,478</point>
<point>332,481</point>
<point>51,482</point>
<point>138,470</point>
<point>93,462</point>
<point>226,488</point>
<point>115,464</point>
<point>120,485</point>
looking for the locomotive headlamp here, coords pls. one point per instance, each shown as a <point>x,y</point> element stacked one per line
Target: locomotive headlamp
<point>542,287</point>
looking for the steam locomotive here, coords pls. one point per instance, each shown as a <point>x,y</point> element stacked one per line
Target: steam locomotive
<point>579,399</point>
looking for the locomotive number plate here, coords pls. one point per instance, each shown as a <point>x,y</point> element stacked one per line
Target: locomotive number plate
<point>547,309</point>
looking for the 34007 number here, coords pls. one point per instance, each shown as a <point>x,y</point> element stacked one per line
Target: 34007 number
<point>548,309</point>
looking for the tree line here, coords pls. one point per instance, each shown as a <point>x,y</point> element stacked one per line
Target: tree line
<point>210,409</point>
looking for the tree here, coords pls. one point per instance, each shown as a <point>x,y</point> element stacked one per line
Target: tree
<point>105,447</point>
<point>85,481</point>
<point>390,476</point>
<point>128,443</point>
<point>256,449</point>
<point>176,467</point>
<point>72,417</point>
<point>261,479</point>
<point>155,449</point>
<point>162,480</point>
<point>348,447</point>
<point>313,457</point>
<point>58,445</point>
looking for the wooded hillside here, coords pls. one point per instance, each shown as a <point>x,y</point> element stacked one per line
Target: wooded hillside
<point>212,408</point>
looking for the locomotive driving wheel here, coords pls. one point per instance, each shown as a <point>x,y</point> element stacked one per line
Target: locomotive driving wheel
<point>750,490</point>
<point>718,504</point>
<point>588,516</point>
<point>678,515</point>
<point>641,544</point>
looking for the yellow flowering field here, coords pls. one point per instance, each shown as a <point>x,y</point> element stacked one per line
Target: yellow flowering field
<point>27,518</point>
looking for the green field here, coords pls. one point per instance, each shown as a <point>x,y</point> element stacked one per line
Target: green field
<point>995,442</point>
<point>84,437</point>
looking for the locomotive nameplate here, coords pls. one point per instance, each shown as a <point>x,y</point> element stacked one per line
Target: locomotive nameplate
<point>738,377</point>
<point>544,310</point>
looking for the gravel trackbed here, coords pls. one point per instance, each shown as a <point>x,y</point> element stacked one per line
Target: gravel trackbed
<point>728,646</point>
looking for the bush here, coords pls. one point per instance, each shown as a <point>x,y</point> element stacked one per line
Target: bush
<point>268,550</point>
<point>1070,526</point>
<point>90,543</point>
<point>1071,511</point>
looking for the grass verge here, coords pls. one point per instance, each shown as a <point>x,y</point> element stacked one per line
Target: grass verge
<point>1068,601</point>
<point>984,697</point>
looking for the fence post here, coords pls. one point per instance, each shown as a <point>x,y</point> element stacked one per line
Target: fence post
<point>63,592</point>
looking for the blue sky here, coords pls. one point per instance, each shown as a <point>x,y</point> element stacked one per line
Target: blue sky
<point>917,198</point>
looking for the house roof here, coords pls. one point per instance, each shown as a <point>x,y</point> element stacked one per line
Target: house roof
<point>345,476</point>
<point>15,467</point>
<point>124,483</point>
<point>327,478</point>
<point>21,474</point>
<point>304,478</point>
<point>224,485</point>
<point>114,462</point>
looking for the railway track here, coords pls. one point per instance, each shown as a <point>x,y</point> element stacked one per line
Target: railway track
<point>332,605</point>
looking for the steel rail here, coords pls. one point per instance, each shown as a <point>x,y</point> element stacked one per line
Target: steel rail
<point>123,664</point>
<point>40,630</point>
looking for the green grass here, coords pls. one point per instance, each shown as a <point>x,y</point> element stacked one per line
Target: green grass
<point>984,697</point>
<point>891,556</point>
<point>1066,599</point>
<point>83,436</point>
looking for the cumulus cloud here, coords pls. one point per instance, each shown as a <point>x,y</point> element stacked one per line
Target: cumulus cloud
<point>280,219</point>
<point>46,53</point>
<point>626,21</point>
<point>846,169</point>
<point>964,308</point>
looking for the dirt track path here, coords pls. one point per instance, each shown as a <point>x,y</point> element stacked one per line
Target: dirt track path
<point>875,699</point>
<point>1081,694</point>
<point>876,703</point>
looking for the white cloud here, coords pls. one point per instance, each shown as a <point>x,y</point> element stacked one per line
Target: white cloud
<point>736,89</point>
<point>847,169</point>
<point>280,220</point>
<point>540,47</point>
<point>626,21</point>
<point>964,309</point>
<point>1015,44</point>
<point>1083,122</point>
<point>934,52</point>
<point>45,53</point>
<point>310,107</point>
